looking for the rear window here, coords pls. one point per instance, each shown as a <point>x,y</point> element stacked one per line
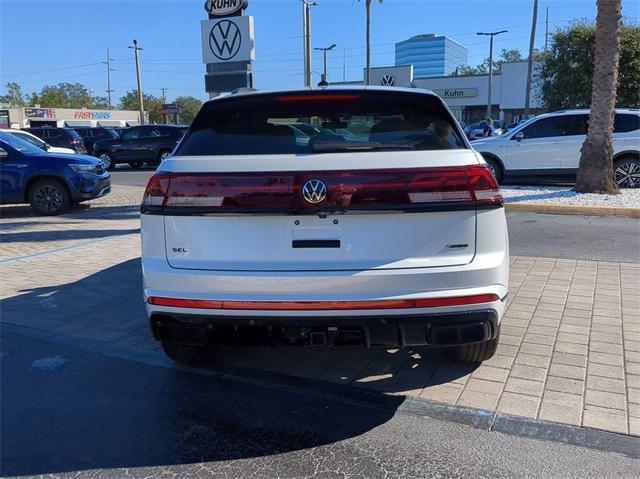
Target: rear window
<point>71,133</point>
<point>321,122</point>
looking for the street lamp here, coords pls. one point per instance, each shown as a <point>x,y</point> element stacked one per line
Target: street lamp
<point>491,35</point>
<point>323,81</point>
<point>306,39</point>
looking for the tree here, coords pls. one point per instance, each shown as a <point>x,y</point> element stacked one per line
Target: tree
<point>506,56</point>
<point>189,107</point>
<point>14,97</point>
<point>367,5</point>
<point>595,174</point>
<point>63,95</point>
<point>152,104</point>
<point>567,67</point>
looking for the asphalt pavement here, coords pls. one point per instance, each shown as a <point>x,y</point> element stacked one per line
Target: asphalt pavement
<point>66,409</point>
<point>552,236</point>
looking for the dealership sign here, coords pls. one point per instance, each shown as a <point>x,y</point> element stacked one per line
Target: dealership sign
<point>223,8</point>
<point>456,92</point>
<point>229,39</point>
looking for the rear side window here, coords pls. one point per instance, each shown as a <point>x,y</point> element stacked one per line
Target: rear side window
<point>319,122</point>
<point>624,123</point>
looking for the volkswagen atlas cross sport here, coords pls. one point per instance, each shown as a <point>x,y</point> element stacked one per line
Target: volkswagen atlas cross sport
<point>390,234</point>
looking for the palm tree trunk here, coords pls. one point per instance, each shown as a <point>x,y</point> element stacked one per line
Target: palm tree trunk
<point>368,8</point>
<point>595,174</point>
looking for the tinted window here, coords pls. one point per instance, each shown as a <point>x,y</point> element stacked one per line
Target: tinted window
<point>131,134</point>
<point>19,144</point>
<point>564,125</point>
<point>28,138</point>
<point>626,122</point>
<point>321,122</point>
<point>69,133</point>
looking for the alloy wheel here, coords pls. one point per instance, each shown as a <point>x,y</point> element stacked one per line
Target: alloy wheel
<point>165,155</point>
<point>106,160</point>
<point>48,198</point>
<point>627,175</point>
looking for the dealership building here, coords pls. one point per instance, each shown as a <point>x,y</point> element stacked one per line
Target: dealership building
<point>66,117</point>
<point>467,96</point>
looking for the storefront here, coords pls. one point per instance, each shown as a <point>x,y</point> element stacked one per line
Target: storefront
<point>69,117</point>
<point>467,96</point>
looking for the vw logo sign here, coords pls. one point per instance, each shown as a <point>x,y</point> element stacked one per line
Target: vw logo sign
<point>225,40</point>
<point>314,191</point>
<point>387,80</point>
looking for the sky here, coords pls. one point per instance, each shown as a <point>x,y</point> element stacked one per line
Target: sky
<point>50,41</point>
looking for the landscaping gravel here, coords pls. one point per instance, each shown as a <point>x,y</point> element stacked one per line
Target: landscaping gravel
<point>565,196</point>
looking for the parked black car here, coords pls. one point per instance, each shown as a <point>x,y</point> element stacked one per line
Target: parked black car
<point>91,135</point>
<point>138,145</point>
<point>63,137</point>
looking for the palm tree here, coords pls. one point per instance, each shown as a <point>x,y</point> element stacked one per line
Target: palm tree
<point>595,174</point>
<point>367,6</point>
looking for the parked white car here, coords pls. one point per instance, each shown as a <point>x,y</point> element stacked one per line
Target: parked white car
<point>398,240</point>
<point>35,141</point>
<point>549,146</point>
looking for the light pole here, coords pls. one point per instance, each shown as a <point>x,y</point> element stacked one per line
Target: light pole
<point>532,40</point>
<point>140,100</point>
<point>323,81</point>
<point>306,39</point>
<point>490,35</point>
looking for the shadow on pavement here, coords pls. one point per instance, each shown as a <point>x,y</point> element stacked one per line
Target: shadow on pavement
<point>81,211</point>
<point>63,234</point>
<point>92,411</point>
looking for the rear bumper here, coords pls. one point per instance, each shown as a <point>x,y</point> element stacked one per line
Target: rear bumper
<point>436,329</point>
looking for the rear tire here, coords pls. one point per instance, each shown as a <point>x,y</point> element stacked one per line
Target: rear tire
<point>626,172</point>
<point>186,354</point>
<point>49,197</point>
<point>496,169</point>
<point>475,353</point>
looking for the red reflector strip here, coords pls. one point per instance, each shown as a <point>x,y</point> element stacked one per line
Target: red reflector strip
<point>184,303</point>
<point>322,305</point>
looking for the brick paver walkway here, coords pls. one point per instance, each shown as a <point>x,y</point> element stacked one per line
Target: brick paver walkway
<point>570,340</point>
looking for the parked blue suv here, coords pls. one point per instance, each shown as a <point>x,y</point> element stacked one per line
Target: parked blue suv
<point>49,182</point>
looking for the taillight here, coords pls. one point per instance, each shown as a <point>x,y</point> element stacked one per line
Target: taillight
<point>283,192</point>
<point>156,191</point>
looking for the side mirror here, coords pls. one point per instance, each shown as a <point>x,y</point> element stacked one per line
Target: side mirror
<point>519,136</point>
<point>46,146</point>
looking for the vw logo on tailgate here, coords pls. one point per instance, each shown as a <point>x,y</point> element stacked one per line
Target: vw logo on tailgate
<point>314,191</point>
<point>225,40</point>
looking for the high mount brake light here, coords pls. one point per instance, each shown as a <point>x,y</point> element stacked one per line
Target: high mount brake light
<point>281,192</point>
<point>322,97</point>
<point>322,305</point>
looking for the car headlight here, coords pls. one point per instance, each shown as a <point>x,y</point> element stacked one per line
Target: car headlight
<point>84,169</point>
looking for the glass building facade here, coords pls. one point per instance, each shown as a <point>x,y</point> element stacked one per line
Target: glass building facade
<point>431,55</point>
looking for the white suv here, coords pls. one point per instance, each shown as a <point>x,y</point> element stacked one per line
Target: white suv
<point>394,235</point>
<point>549,146</point>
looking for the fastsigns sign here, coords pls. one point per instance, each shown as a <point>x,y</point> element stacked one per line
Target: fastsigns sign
<point>222,8</point>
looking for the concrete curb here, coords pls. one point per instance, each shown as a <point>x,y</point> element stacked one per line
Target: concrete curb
<point>573,210</point>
